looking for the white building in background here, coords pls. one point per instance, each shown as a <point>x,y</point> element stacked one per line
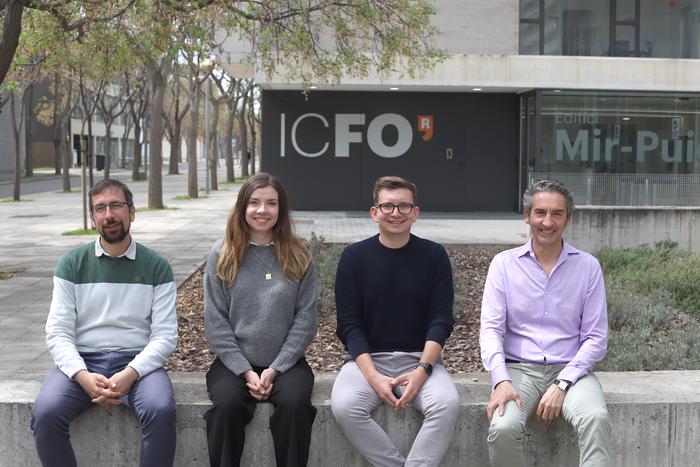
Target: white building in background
<point>603,94</point>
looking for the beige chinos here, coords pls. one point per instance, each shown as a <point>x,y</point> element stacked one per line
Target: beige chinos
<point>584,408</point>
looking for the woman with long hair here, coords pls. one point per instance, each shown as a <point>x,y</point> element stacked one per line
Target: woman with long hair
<point>259,317</point>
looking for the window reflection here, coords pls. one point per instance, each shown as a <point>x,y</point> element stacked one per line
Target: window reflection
<point>611,27</point>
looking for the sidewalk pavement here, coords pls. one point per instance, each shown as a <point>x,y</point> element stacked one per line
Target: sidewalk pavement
<point>32,244</point>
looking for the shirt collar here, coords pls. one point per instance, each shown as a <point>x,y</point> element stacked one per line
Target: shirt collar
<point>129,253</point>
<point>527,249</point>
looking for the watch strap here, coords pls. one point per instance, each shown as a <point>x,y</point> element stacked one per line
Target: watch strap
<point>426,366</point>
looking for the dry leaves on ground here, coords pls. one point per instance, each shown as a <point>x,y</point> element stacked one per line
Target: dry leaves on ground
<point>461,354</point>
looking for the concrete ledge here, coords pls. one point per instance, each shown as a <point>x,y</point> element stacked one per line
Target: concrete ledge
<point>595,227</point>
<point>656,422</point>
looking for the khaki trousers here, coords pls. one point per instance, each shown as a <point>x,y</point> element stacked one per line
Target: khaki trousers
<point>584,408</point>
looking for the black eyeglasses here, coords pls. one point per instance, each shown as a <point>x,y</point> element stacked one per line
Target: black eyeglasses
<point>115,206</point>
<point>388,208</point>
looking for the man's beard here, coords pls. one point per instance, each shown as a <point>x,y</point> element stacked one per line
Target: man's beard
<point>116,237</point>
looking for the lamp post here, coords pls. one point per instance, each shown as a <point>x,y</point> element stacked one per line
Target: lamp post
<point>206,66</point>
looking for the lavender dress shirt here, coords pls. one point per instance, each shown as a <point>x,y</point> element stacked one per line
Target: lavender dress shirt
<point>529,317</point>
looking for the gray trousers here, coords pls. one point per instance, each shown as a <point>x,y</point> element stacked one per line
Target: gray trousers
<point>353,400</point>
<point>584,408</point>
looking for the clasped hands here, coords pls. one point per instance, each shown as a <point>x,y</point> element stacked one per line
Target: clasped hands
<point>260,387</point>
<point>386,387</point>
<point>104,391</point>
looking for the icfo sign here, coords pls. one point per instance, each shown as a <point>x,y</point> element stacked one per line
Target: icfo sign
<point>350,129</point>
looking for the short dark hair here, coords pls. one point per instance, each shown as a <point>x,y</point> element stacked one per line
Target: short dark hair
<point>548,186</point>
<point>393,182</point>
<point>103,185</point>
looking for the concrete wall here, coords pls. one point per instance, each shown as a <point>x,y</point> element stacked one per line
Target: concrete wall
<point>595,227</point>
<point>656,421</point>
<point>475,26</point>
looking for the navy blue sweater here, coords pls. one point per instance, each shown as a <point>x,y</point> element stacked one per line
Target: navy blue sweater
<point>393,299</point>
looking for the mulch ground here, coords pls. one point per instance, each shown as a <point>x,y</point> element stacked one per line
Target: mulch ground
<point>461,353</point>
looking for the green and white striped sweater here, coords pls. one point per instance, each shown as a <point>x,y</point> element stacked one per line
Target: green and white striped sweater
<point>103,303</point>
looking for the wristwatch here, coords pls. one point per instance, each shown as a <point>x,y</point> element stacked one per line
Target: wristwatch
<point>426,366</point>
<point>563,385</point>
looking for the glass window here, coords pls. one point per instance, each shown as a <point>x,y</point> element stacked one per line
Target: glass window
<point>625,10</point>
<point>530,38</point>
<point>530,9</point>
<point>620,148</point>
<point>99,145</point>
<point>666,29</point>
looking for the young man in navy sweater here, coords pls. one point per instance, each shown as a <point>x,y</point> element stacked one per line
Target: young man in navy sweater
<point>394,300</point>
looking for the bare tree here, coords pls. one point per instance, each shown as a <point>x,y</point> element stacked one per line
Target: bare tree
<point>173,119</point>
<point>253,122</point>
<point>89,95</point>
<point>229,90</point>
<point>158,71</point>
<point>243,128</point>
<point>110,107</point>
<point>138,105</point>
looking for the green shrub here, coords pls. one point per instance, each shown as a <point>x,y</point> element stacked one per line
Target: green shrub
<point>648,271</point>
<point>647,333</point>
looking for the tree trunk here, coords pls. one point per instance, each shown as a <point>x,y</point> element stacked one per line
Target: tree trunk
<point>175,149</point>
<point>16,130</point>
<point>213,139</point>
<point>29,131</point>
<point>157,73</point>
<point>243,142</point>
<point>253,148</point>
<point>12,28</point>
<point>192,188</point>
<point>57,126</point>
<point>108,147</point>
<point>228,137</point>
<point>67,159</point>
<point>136,162</point>
<point>90,157</point>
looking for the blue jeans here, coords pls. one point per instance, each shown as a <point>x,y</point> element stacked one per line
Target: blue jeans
<point>61,400</point>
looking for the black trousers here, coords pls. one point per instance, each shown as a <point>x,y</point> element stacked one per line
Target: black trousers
<point>233,408</point>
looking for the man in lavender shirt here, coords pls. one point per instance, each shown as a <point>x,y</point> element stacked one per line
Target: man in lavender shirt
<point>544,325</point>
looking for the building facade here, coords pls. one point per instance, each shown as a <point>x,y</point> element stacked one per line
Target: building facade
<point>603,94</point>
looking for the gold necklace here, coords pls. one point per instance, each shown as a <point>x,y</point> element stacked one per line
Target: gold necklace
<point>268,269</point>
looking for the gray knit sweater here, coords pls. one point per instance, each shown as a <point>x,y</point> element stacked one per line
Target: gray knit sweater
<point>256,321</point>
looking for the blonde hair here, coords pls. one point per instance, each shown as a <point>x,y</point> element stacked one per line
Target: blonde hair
<point>291,253</point>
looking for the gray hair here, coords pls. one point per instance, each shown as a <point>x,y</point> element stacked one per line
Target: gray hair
<point>548,186</point>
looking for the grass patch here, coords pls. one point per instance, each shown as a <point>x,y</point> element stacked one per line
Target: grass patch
<point>81,232</point>
<point>188,197</point>
<point>164,208</point>
<point>11,200</point>
<point>6,273</point>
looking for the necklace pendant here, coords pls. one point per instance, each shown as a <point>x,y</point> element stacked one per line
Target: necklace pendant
<point>268,276</point>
